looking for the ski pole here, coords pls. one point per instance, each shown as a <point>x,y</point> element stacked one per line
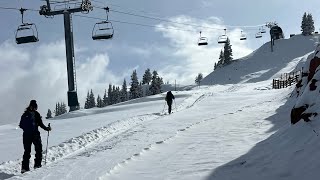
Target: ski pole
<point>164,106</point>
<point>45,161</point>
<point>313,129</point>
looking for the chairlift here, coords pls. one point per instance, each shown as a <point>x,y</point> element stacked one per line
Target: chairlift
<point>259,35</point>
<point>223,38</point>
<point>263,30</point>
<point>203,41</point>
<point>26,32</point>
<point>103,30</point>
<point>243,36</point>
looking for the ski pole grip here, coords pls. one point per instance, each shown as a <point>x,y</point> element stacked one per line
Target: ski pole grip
<point>49,125</point>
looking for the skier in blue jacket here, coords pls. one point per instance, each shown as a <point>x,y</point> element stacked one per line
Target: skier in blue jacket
<point>30,120</point>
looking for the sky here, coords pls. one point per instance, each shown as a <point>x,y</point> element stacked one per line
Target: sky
<point>38,71</point>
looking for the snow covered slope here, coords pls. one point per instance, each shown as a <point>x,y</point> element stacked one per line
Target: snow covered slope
<point>225,131</point>
<point>263,65</point>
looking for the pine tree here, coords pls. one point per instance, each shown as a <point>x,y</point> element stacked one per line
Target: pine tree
<point>310,24</point>
<point>63,108</point>
<point>49,114</point>
<point>221,59</point>
<point>140,90</point>
<point>118,92</point>
<point>99,102</point>
<point>87,103</point>
<point>92,101</point>
<point>147,77</point>
<point>227,52</point>
<point>156,82</point>
<point>199,78</point>
<point>110,95</point>
<point>215,66</point>
<point>134,86</point>
<point>59,109</point>
<point>304,24</point>
<point>56,110</point>
<point>124,95</point>
<point>105,98</point>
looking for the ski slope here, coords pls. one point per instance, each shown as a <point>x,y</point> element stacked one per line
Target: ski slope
<point>237,130</point>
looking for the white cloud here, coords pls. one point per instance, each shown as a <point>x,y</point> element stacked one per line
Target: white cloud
<point>39,72</point>
<point>192,59</point>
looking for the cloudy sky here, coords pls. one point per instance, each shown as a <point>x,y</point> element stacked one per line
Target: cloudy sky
<point>38,70</point>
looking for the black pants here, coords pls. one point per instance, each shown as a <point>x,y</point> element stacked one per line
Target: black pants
<point>169,106</point>
<point>28,139</point>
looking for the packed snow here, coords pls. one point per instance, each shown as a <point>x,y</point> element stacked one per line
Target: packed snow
<point>234,127</point>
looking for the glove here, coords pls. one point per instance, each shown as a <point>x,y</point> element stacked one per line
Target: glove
<point>49,127</point>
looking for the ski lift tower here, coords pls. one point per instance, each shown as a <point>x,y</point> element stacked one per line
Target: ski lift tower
<point>84,7</point>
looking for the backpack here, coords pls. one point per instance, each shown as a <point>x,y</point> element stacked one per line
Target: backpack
<point>27,122</point>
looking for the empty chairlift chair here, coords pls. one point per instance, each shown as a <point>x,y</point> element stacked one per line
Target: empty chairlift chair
<point>203,41</point>
<point>26,32</point>
<point>223,38</point>
<point>243,36</point>
<point>262,30</point>
<point>102,31</point>
<point>259,35</point>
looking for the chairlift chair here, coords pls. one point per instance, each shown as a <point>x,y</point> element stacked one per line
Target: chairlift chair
<point>263,30</point>
<point>243,36</point>
<point>222,39</point>
<point>102,31</point>
<point>259,35</point>
<point>203,41</point>
<point>27,33</point>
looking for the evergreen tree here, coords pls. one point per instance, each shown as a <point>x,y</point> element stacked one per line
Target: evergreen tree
<point>56,110</point>
<point>63,108</point>
<point>304,24</point>
<point>92,101</point>
<point>199,78</point>
<point>227,54</point>
<point>156,82</point>
<point>140,90</point>
<point>105,98</point>
<point>114,95</point>
<point>110,95</point>
<point>118,94</point>
<point>87,103</point>
<point>49,114</point>
<point>124,95</point>
<point>215,66</point>
<point>310,24</point>
<point>134,86</point>
<point>147,77</point>
<point>221,59</point>
<point>99,102</point>
<point>59,109</point>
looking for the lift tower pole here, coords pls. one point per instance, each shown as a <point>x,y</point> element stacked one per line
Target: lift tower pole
<point>71,71</point>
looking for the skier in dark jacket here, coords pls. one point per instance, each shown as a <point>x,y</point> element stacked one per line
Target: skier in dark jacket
<point>30,120</point>
<point>169,99</point>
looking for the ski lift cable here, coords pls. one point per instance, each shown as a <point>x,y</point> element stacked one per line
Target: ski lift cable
<point>137,24</point>
<point>162,19</point>
<point>18,9</point>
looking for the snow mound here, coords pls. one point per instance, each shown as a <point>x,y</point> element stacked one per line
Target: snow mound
<point>263,64</point>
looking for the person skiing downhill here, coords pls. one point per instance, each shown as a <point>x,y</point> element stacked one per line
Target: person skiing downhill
<point>169,98</point>
<point>30,120</point>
